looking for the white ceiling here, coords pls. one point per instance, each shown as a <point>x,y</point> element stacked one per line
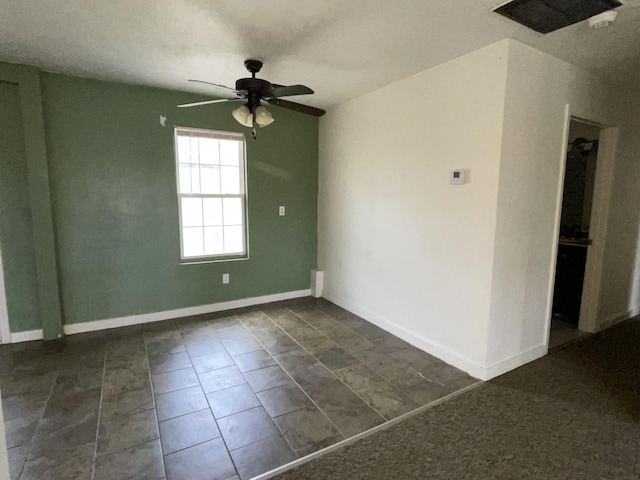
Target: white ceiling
<point>340,48</point>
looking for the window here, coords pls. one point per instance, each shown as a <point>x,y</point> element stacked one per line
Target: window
<point>211,193</point>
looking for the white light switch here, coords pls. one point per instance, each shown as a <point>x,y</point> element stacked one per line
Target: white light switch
<point>281,210</point>
<point>225,278</point>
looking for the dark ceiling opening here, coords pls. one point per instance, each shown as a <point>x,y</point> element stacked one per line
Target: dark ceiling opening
<point>545,16</point>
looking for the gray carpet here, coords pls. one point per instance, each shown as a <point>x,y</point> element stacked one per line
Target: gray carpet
<point>574,414</point>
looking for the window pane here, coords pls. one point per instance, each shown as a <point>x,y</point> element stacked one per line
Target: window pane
<point>209,151</point>
<point>195,178</point>
<point>191,212</point>
<point>210,178</point>
<point>192,242</point>
<point>194,150</point>
<point>183,150</point>
<point>213,240</point>
<point>232,211</point>
<point>233,239</point>
<point>212,211</point>
<point>184,174</point>
<point>230,179</point>
<point>229,152</point>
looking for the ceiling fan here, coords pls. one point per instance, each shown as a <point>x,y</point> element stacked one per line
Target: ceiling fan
<point>252,91</point>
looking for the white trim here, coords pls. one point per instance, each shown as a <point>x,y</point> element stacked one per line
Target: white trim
<point>612,320</point>
<point>5,331</point>
<point>556,230</point>
<point>366,433</point>
<point>437,350</point>
<point>511,363</point>
<point>73,328</point>
<point>28,336</point>
<point>216,135</point>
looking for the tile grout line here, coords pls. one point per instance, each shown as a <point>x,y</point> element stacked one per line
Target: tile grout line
<point>397,387</point>
<point>95,447</point>
<point>26,458</point>
<point>215,420</point>
<point>291,377</point>
<point>392,384</point>
<point>153,399</point>
<point>304,349</point>
<point>287,334</point>
<point>321,363</point>
<point>255,393</point>
<point>367,433</point>
<point>294,380</point>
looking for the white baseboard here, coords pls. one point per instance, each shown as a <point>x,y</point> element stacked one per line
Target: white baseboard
<point>443,353</point>
<point>74,328</point>
<point>612,320</point>
<point>511,363</point>
<point>28,336</point>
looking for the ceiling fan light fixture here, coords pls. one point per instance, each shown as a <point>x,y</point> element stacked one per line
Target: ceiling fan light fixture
<point>604,19</point>
<point>243,116</point>
<point>263,117</point>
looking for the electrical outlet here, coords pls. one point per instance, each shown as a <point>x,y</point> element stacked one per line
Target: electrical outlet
<point>281,210</point>
<point>225,278</point>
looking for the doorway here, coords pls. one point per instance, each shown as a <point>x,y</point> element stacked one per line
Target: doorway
<point>575,234</point>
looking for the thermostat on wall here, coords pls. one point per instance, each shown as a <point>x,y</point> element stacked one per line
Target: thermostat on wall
<point>457,177</point>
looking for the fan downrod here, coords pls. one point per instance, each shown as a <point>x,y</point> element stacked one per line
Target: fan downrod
<point>253,66</point>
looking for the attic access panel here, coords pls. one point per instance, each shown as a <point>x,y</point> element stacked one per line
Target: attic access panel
<point>545,16</point>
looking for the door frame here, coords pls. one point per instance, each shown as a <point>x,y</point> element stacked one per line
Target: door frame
<point>602,189</point>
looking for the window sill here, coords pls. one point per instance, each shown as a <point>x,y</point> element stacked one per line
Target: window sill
<point>211,260</point>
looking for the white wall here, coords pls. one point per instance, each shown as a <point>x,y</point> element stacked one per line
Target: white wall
<point>620,297</point>
<point>464,272</point>
<point>538,89</point>
<point>398,244</point>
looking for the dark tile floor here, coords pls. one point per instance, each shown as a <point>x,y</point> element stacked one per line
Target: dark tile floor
<point>571,415</point>
<point>208,397</point>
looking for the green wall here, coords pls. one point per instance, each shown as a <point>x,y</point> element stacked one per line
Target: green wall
<point>115,211</point>
<point>16,231</point>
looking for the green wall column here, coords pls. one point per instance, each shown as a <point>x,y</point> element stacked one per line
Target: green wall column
<point>28,81</point>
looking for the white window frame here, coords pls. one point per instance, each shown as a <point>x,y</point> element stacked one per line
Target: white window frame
<point>217,134</point>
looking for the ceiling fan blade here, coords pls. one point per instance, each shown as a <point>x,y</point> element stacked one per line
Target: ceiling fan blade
<point>298,107</point>
<point>284,91</point>
<point>208,102</point>
<point>214,84</point>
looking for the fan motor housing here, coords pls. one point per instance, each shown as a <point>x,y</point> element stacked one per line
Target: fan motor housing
<point>253,85</point>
